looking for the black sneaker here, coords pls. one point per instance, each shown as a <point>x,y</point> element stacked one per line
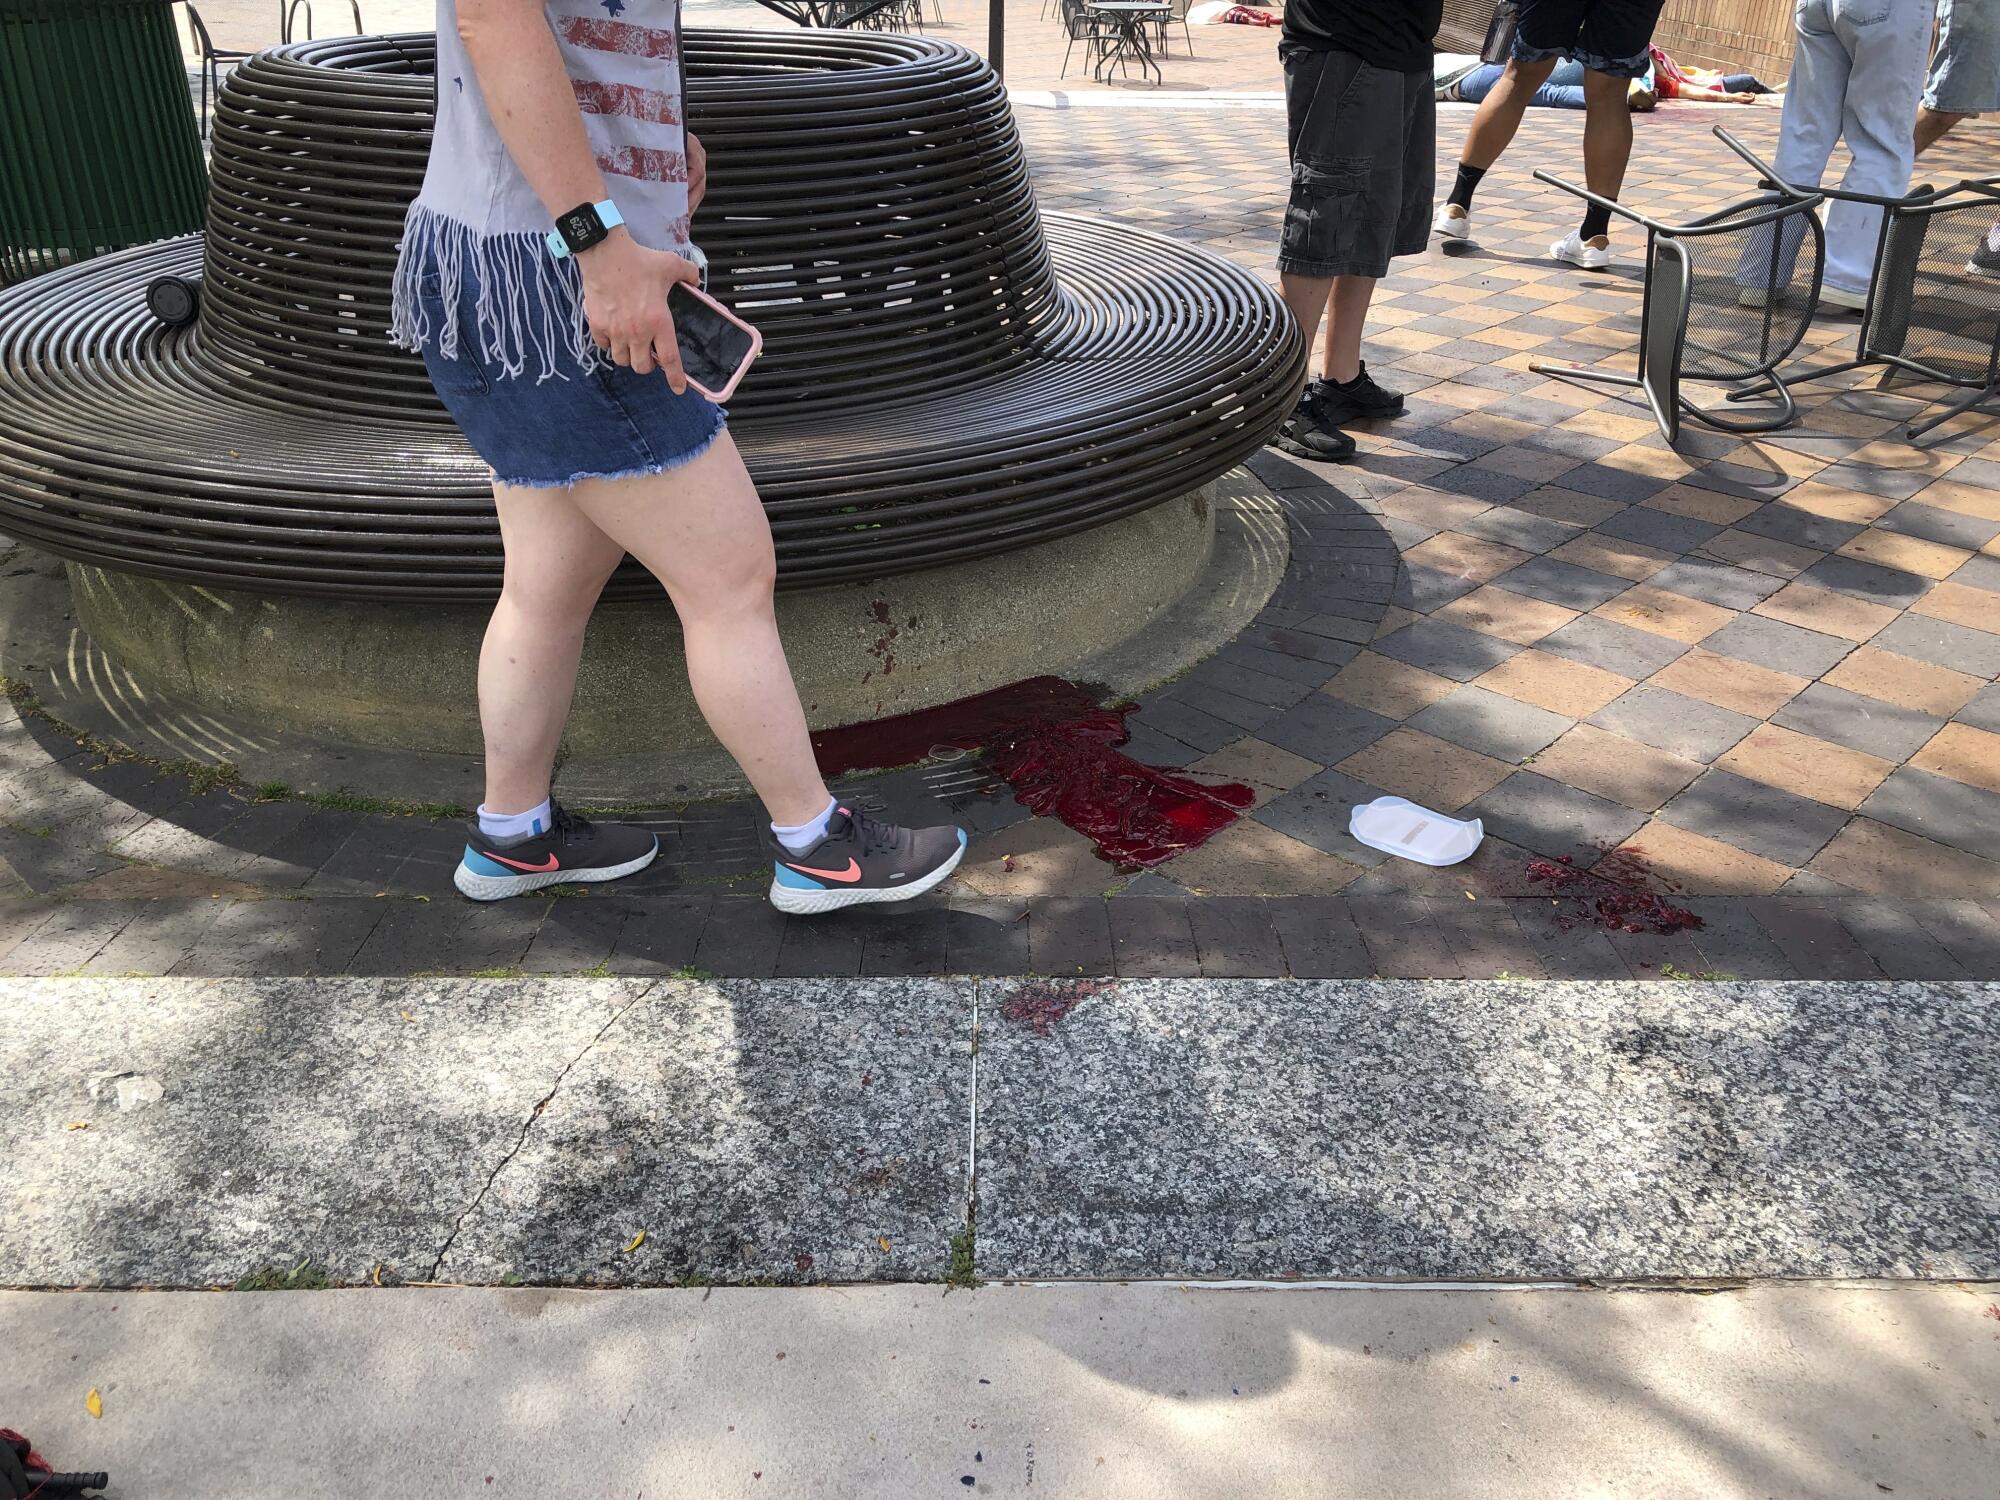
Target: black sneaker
<point>573,851</point>
<point>861,860</point>
<point>1309,433</point>
<point>1357,400</point>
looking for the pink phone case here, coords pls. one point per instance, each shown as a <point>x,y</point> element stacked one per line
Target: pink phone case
<point>756,346</point>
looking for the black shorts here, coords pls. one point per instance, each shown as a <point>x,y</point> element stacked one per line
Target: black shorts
<point>1364,153</point>
<point>1606,36</point>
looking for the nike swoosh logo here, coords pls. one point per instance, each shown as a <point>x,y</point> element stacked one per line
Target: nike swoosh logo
<point>541,869</point>
<point>846,877</point>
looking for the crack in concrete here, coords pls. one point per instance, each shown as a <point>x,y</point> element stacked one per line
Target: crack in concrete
<point>437,1265</point>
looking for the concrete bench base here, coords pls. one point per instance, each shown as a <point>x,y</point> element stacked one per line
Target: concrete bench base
<point>314,692</point>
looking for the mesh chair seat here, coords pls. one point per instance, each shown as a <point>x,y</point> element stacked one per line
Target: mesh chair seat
<point>1728,298</point>
<point>1934,308</point>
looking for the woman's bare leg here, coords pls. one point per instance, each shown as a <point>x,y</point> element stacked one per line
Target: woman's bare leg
<point>557,564</point>
<point>701,530</point>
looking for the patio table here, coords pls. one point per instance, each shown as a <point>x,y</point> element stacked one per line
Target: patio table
<point>1130,21</point>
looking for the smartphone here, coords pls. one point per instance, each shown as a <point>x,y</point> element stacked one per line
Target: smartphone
<point>716,346</point>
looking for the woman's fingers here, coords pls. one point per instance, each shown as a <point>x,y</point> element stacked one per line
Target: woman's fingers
<point>666,347</point>
<point>641,350</point>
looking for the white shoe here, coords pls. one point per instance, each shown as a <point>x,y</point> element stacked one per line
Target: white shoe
<point>1452,223</point>
<point>1578,251</point>
<point>1840,296</point>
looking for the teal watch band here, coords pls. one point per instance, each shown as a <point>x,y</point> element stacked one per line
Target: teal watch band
<point>608,217</point>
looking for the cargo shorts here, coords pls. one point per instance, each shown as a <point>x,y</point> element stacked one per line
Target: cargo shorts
<point>1363,148</point>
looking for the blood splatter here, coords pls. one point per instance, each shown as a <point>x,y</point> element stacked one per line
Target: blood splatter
<point>1617,894</point>
<point>1053,743</point>
<point>1040,1004</point>
<point>884,649</point>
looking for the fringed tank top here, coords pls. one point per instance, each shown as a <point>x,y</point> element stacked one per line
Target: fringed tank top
<point>477,218</point>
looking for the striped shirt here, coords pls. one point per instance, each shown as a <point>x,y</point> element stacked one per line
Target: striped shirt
<point>476,214</point>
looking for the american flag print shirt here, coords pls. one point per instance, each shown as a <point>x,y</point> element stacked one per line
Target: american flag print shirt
<point>477,225</point>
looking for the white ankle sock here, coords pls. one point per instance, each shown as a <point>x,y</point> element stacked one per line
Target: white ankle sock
<point>515,825</point>
<point>805,835</point>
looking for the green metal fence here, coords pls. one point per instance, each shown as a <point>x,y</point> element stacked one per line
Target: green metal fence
<point>98,143</point>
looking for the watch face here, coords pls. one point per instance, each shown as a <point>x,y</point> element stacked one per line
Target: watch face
<point>581,227</point>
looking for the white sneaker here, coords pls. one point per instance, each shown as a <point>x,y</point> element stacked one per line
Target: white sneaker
<point>1840,296</point>
<point>1452,223</point>
<point>1578,251</point>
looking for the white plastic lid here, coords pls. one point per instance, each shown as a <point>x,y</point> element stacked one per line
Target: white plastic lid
<point>1396,825</point>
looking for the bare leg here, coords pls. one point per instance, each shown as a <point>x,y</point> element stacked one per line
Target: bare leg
<point>1607,136</point>
<point>557,565</point>
<point>702,532</point>
<point>1309,298</point>
<point>1347,315</point>
<point>1500,112</point>
<point>1933,125</point>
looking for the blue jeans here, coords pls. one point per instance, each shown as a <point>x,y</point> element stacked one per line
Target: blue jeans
<point>1856,75</point>
<point>1563,90</point>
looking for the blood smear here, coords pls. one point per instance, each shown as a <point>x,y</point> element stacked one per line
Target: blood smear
<point>1052,742</point>
<point>1615,899</point>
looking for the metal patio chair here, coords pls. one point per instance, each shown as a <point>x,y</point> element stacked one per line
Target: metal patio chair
<point>289,14</point>
<point>212,61</point>
<point>1177,15</point>
<point>1933,308</point>
<point>1728,297</point>
<point>1081,26</point>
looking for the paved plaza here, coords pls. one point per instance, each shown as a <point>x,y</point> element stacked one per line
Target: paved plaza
<point>1281,1167</point>
<point>1760,673</point>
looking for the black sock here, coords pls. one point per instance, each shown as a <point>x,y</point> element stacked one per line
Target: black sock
<point>1596,221</point>
<point>1466,185</point>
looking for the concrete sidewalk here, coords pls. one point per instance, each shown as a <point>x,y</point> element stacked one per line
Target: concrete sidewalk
<point>184,1133</point>
<point>1092,1390</point>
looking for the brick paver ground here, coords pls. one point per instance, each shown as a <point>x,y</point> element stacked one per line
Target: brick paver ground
<point>1768,666</point>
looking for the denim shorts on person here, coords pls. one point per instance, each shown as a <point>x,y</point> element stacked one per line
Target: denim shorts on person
<point>1364,164</point>
<point>544,430</point>
<point>1606,36</point>
<point>1965,70</point>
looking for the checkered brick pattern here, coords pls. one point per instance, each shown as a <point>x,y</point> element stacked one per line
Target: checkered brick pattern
<point>1768,665</point>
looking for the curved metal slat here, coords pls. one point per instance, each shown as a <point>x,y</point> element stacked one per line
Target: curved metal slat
<point>943,380</point>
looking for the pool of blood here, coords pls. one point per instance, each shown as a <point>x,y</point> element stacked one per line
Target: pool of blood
<point>1615,894</point>
<point>1057,747</point>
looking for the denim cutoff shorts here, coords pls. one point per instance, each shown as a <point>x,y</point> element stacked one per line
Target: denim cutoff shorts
<point>1965,72</point>
<point>544,428</point>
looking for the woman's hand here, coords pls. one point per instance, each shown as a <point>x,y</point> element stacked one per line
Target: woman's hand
<point>697,155</point>
<point>625,289</point>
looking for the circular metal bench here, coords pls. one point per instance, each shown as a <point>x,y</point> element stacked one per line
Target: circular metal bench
<point>947,375</point>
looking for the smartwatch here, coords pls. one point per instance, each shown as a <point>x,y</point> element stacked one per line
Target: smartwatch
<point>583,226</point>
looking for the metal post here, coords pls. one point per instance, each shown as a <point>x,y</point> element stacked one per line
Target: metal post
<point>996,35</point>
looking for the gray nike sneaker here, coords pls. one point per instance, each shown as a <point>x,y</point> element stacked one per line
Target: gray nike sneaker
<point>861,860</point>
<point>571,851</point>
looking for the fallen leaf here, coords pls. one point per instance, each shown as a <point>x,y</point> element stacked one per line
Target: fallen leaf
<point>94,1403</point>
<point>637,1240</point>
<point>883,1241</point>
<point>377,1276</point>
<point>1470,897</point>
<point>77,1125</point>
<point>406,1016</point>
